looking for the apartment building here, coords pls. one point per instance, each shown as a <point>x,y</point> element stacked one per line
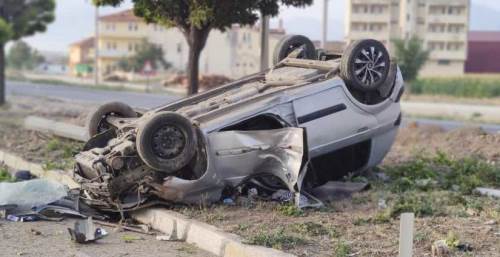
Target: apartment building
<point>441,24</point>
<point>233,53</point>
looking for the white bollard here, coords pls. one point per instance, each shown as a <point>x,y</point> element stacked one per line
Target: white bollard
<point>406,235</point>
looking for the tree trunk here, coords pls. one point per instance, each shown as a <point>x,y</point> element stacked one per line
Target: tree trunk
<point>193,70</point>
<point>2,74</point>
<point>196,39</point>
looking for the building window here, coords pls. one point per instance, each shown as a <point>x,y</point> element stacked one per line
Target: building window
<point>132,26</point>
<point>130,47</point>
<point>444,62</point>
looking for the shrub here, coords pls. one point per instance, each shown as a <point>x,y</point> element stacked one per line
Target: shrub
<point>459,87</point>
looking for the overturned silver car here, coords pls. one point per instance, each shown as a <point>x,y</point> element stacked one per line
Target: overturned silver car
<point>314,117</point>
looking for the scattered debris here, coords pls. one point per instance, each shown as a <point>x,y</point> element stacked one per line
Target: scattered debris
<point>23,175</point>
<point>85,231</point>
<point>334,190</point>
<point>488,192</point>
<point>170,237</point>
<point>23,218</point>
<point>143,229</point>
<point>490,222</point>
<point>440,249</point>
<point>27,194</point>
<point>35,232</point>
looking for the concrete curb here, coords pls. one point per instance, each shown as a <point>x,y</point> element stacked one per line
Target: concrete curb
<point>57,128</point>
<point>204,236</point>
<point>176,225</point>
<point>18,163</point>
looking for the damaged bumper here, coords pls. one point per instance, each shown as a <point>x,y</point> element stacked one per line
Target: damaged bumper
<point>232,158</point>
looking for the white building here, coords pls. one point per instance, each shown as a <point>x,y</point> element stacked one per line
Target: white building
<point>441,24</point>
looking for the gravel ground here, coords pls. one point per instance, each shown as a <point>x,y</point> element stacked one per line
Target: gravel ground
<point>20,239</point>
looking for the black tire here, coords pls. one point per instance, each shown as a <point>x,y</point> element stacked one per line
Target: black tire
<point>96,121</point>
<point>365,65</point>
<point>290,43</point>
<point>166,142</point>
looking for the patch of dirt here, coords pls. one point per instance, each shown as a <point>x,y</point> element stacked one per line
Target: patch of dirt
<point>346,223</point>
<point>74,113</point>
<point>459,143</point>
<point>35,146</point>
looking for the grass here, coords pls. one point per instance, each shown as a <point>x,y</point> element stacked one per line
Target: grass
<point>5,175</point>
<point>432,185</point>
<point>60,153</point>
<point>443,172</point>
<point>469,87</point>
<point>312,229</point>
<point>277,239</point>
<point>342,249</point>
<point>290,210</point>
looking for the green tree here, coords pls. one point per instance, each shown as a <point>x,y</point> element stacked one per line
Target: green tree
<point>20,18</point>
<point>146,53</point>
<point>195,19</point>
<point>22,56</point>
<point>411,56</point>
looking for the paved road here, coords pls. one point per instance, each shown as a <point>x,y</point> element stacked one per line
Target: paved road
<point>74,93</point>
<point>145,100</point>
<point>18,239</point>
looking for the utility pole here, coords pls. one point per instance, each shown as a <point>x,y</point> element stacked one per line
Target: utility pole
<point>324,37</point>
<point>264,43</point>
<point>96,47</point>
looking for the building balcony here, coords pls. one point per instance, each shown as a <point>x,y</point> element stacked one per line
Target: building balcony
<point>460,55</point>
<point>124,34</point>
<point>378,2</point>
<point>115,54</point>
<point>370,18</point>
<point>446,36</point>
<point>439,18</point>
<point>378,35</point>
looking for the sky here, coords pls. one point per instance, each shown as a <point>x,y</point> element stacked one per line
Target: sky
<point>75,21</point>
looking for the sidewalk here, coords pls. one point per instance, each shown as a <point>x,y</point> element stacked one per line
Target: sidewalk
<point>480,113</point>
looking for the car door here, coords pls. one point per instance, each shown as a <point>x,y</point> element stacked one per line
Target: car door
<point>332,120</point>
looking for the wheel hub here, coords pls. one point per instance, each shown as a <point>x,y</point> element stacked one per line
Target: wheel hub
<point>370,66</point>
<point>168,142</point>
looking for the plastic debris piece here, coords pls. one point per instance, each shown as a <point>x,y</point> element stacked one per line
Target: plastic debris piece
<point>23,175</point>
<point>228,201</point>
<point>25,218</point>
<point>282,196</point>
<point>166,237</point>
<point>85,232</point>
<point>27,194</point>
<point>440,249</point>
<point>253,193</point>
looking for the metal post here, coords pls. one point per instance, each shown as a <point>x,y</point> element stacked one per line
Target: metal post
<point>264,43</point>
<point>96,47</point>
<point>324,37</point>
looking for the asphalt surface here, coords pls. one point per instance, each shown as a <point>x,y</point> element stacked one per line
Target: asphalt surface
<point>148,100</point>
<point>51,239</point>
<point>85,94</point>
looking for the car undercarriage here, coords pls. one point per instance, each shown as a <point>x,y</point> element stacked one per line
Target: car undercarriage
<point>308,120</point>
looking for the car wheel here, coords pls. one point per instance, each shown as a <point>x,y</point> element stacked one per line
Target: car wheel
<point>166,142</point>
<point>96,121</point>
<point>290,43</point>
<point>365,65</point>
